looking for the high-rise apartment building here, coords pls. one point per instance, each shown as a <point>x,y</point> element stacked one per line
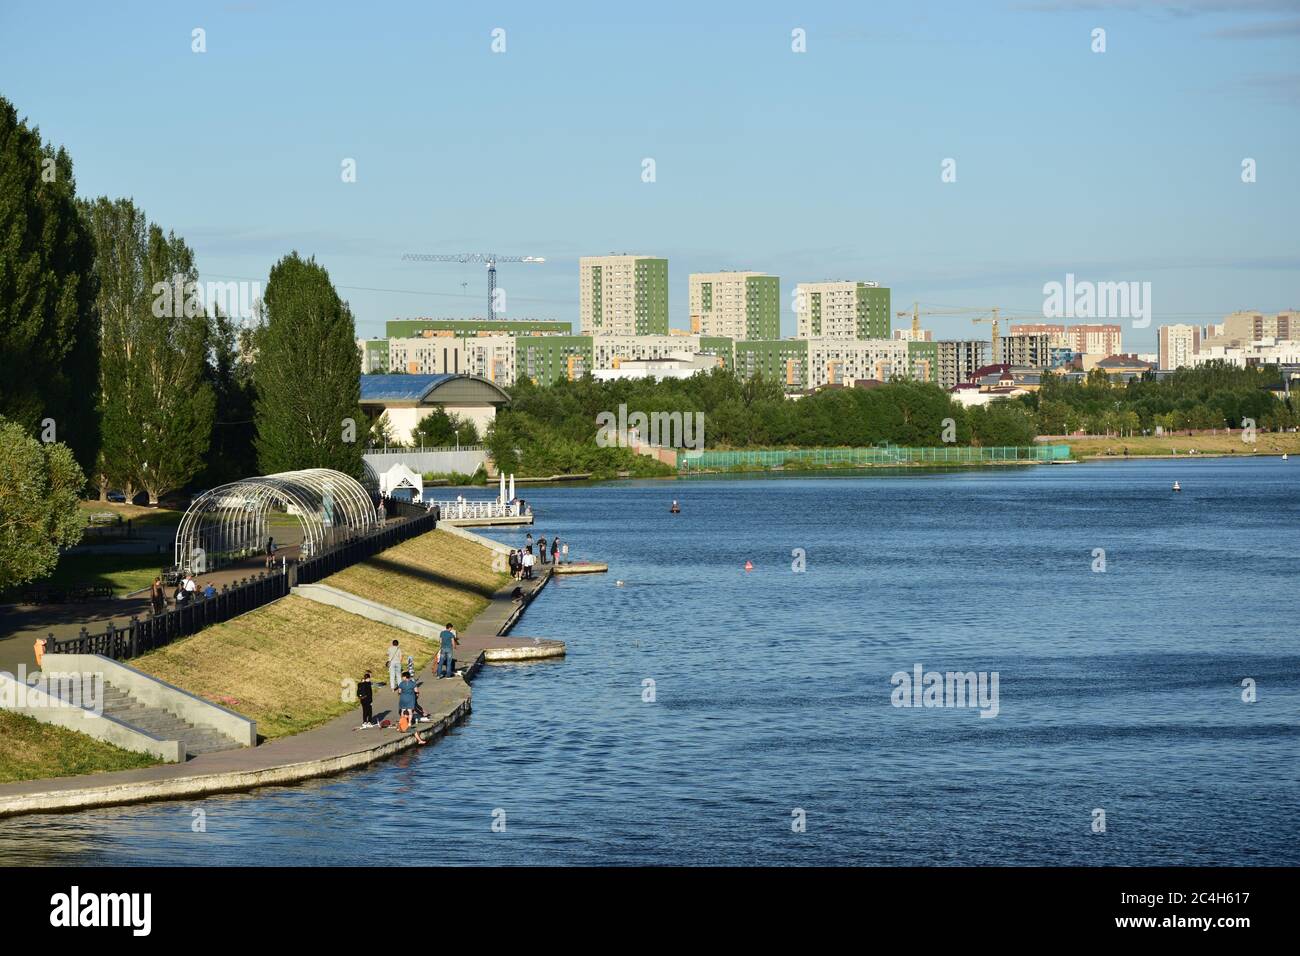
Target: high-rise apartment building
<point>1243,328</point>
<point>842,310</point>
<point>1028,350</point>
<point>1095,339</point>
<point>958,359</point>
<point>1055,331</point>
<point>1179,346</point>
<point>738,305</point>
<point>622,295</point>
<point>845,361</point>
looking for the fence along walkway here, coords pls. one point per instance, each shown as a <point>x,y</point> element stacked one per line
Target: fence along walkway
<point>884,455</point>
<point>146,634</point>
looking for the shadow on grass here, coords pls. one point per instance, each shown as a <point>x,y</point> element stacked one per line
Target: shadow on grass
<point>430,577</point>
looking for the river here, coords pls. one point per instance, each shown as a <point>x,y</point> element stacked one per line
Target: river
<point>772,736</point>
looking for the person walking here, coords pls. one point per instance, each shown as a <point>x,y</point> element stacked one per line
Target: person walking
<point>157,597</point>
<point>191,587</point>
<point>447,652</point>
<point>528,540</point>
<point>555,549</point>
<point>514,564</point>
<point>366,695</point>
<point>541,549</point>
<point>528,563</point>
<point>394,664</point>
<point>270,552</point>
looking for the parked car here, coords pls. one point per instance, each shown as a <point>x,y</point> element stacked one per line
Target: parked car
<point>117,496</point>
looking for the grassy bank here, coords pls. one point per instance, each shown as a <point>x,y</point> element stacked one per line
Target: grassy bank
<point>436,576</point>
<point>284,664</point>
<point>1266,443</point>
<point>30,750</point>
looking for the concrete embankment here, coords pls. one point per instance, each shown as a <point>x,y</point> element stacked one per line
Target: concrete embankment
<point>332,748</point>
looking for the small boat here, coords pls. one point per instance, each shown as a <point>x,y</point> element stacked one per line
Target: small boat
<point>676,509</point>
<point>1177,487</point>
<point>749,566</point>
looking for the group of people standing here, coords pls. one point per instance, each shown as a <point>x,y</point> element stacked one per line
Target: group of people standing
<point>523,560</point>
<point>403,680</point>
<point>187,590</point>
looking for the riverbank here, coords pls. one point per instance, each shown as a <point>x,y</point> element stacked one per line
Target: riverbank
<point>289,659</point>
<point>32,750</point>
<point>1180,446</point>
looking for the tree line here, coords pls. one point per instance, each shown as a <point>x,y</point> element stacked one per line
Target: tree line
<point>110,380</point>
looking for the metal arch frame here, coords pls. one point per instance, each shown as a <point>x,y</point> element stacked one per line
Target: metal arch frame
<point>211,515</point>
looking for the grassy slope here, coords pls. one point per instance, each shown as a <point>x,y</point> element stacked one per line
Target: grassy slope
<point>437,576</point>
<point>30,750</point>
<point>283,665</point>
<point>1266,443</point>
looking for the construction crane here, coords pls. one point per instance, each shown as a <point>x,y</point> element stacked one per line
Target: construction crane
<point>993,319</point>
<point>491,258</point>
<point>916,314</point>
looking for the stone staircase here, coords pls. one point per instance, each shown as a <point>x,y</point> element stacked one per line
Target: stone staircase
<point>164,725</point>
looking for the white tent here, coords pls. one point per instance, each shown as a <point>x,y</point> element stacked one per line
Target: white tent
<point>402,482</point>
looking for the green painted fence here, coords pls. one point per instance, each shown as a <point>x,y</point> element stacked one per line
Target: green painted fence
<point>884,455</point>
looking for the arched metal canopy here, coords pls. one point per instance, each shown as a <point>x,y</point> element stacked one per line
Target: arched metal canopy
<point>232,522</point>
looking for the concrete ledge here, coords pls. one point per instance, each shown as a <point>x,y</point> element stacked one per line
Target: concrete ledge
<point>173,788</point>
<point>153,692</point>
<point>540,649</point>
<point>371,610</point>
<point>459,531</point>
<point>58,713</point>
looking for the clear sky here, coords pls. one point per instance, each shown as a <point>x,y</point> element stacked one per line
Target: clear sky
<point>1122,165</point>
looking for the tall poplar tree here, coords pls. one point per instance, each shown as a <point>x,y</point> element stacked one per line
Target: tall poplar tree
<point>157,402</point>
<point>49,332</point>
<point>307,374</point>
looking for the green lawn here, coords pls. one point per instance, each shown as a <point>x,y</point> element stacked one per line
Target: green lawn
<point>123,572</point>
<point>30,750</point>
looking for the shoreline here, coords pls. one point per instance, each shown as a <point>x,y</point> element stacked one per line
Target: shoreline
<point>323,751</point>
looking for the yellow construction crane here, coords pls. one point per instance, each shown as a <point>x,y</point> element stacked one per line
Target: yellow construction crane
<point>993,319</point>
<point>916,314</point>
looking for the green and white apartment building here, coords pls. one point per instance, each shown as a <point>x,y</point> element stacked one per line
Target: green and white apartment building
<point>843,333</point>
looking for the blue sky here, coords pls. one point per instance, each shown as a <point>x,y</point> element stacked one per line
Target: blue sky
<point>1123,165</point>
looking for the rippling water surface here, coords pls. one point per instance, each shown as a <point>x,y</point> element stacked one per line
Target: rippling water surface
<point>1118,690</point>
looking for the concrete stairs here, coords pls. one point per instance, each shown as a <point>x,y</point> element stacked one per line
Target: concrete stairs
<point>120,705</point>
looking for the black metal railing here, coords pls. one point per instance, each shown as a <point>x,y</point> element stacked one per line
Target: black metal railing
<point>142,635</point>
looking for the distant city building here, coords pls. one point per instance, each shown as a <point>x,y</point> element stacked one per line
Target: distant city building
<point>838,361</point>
<point>958,359</point>
<point>1032,350</point>
<point>842,310</point>
<point>737,305</point>
<point>622,295</point>
<point>1118,368</point>
<point>677,366</point>
<point>1242,328</point>
<point>412,328</point>
<point>775,360</point>
<point>1265,352</point>
<point>1179,345</point>
<point>907,335</point>
<point>1054,331</point>
<point>923,360</point>
<point>1095,339</point>
<point>547,359</point>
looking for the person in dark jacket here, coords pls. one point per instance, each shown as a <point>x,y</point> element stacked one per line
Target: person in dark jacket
<point>366,694</point>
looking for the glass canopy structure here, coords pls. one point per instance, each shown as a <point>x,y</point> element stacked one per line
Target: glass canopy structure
<point>235,521</point>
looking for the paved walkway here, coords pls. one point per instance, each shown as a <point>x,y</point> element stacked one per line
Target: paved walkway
<point>332,748</point>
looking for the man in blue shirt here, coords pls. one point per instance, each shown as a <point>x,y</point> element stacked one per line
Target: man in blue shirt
<point>446,655</point>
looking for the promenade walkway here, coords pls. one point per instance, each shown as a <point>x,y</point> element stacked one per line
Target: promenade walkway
<point>332,748</point>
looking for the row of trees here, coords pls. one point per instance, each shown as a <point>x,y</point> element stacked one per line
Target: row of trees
<point>1215,395</point>
<point>145,392</point>
<point>551,430</point>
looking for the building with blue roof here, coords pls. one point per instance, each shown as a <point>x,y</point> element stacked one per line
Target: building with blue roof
<point>408,399</point>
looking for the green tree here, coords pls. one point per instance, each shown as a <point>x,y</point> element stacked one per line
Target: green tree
<point>39,485</point>
<point>306,376</point>
<point>49,345</point>
<point>441,430</point>
<point>156,397</point>
<point>230,376</point>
